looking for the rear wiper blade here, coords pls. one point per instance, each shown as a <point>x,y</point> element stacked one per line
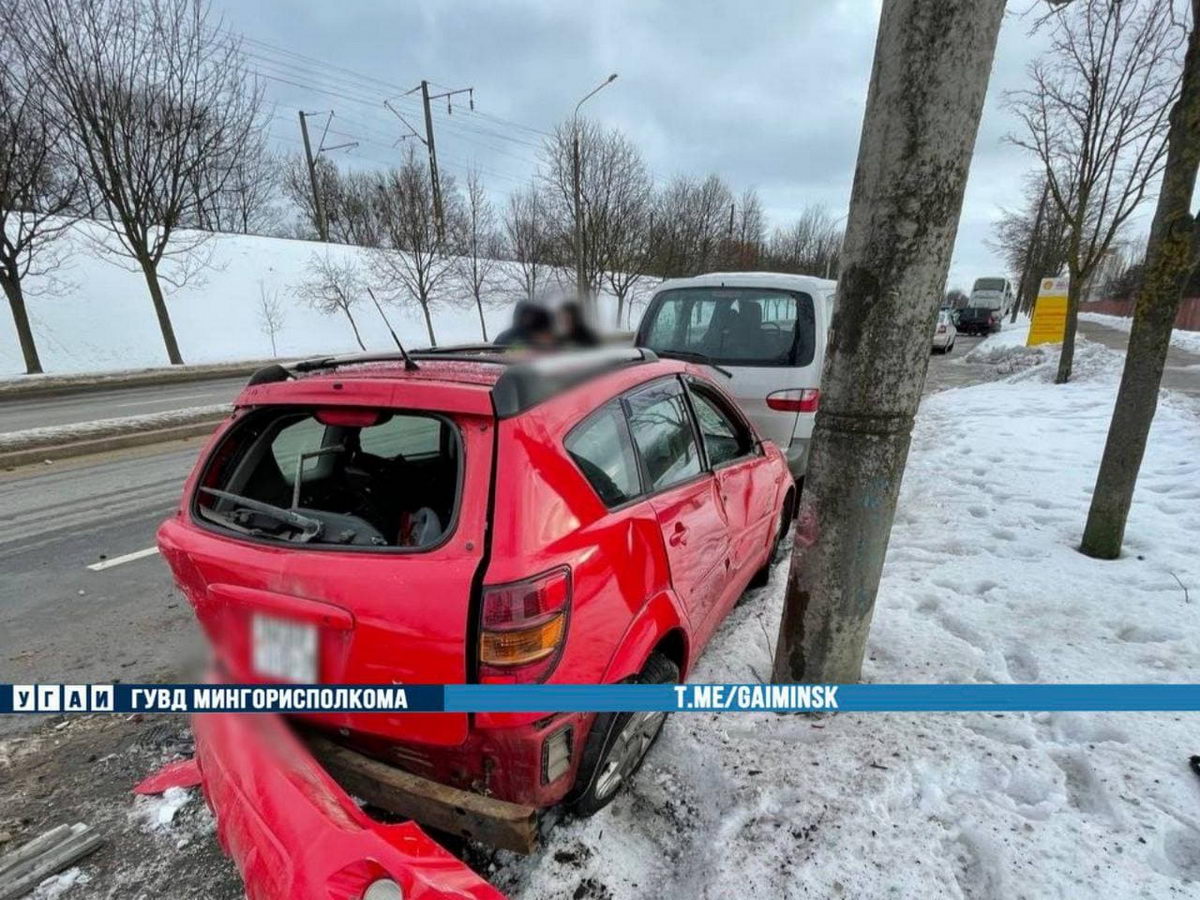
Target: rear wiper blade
<point>308,526</point>
<point>694,357</point>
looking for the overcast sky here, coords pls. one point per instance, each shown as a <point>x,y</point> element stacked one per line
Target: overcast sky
<point>769,94</point>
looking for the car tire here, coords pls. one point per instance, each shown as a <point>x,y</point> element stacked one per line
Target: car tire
<point>618,743</point>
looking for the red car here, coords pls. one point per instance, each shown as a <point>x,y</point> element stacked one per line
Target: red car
<point>453,517</point>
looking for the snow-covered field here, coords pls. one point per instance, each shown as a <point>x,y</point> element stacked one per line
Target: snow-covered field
<point>982,585</point>
<point>96,315</point>
<point>1180,339</point>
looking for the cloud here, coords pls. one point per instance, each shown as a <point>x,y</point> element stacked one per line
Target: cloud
<point>770,94</point>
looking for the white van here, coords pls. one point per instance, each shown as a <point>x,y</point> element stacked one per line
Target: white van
<point>767,330</point>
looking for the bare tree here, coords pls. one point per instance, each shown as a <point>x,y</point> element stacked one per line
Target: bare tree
<point>1033,241</point>
<point>622,233</point>
<point>611,171</point>
<point>956,298</point>
<point>1171,257</point>
<point>748,234</point>
<point>38,186</point>
<point>1096,119</point>
<point>153,94</point>
<point>479,248</point>
<point>271,315</point>
<point>809,246</point>
<point>332,285</point>
<point>414,261</point>
<point>690,225</point>
<point>246,204</point>
<point>930,74</point>
<point>528,239</point>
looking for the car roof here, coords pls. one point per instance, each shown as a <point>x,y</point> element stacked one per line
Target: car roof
<point>779,280</point>
<point>516,381</point>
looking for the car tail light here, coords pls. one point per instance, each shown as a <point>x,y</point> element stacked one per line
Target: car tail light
<point>795,400</point>
<point>523,627</point>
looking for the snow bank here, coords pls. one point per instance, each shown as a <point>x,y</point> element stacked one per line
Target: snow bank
<point>52,435</point>
<point>96,315</point>
<point>1180,339</point>
<point>982,584</point>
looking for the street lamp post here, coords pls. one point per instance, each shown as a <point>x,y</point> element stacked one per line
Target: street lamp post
<point>582,288</point>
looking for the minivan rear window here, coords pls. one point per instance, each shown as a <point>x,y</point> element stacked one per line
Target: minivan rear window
<point>733,325</point>
<point>356,478</point>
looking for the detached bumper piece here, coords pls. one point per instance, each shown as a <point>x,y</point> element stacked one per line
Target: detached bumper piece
<point>295,834</point>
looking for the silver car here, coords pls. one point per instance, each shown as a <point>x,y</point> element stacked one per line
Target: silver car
<point>766,330</point>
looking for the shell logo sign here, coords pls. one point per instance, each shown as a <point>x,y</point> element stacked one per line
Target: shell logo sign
<point>1049,323</point>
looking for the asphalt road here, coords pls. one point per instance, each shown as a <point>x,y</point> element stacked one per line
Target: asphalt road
<point>1182,372</point>
<point>39,412</point>
<point>63,622</point>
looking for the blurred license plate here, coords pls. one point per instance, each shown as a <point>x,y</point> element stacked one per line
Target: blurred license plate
<point>285,650</point>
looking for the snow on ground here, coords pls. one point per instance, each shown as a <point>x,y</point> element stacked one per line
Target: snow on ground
<point>81,431</point>
<point>57,885</point>
<point>96,315</point>
<point>1180,339</point>
<point>982,584</point>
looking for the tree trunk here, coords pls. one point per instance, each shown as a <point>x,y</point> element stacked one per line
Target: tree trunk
<point>428,324</point>
<point>1067,357</point>
<point>1169,260</point>
<point>932,61</point>
<point>16,303</point>
<point>482,323</point>
<point>160,310</point>
<point>354,325</point>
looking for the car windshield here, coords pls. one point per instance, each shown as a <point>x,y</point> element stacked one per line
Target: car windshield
<point>732,325</point>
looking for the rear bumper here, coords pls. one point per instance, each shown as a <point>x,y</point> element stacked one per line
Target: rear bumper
<point>797,457</point>
<point>294,833</point>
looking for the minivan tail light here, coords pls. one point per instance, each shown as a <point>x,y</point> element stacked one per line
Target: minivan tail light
<point>523,627</point>
<point>795,400</point>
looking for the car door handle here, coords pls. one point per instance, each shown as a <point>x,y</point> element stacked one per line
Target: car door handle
<point>678,537</point>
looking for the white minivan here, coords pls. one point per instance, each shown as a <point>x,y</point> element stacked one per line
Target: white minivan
<point>766,330</point>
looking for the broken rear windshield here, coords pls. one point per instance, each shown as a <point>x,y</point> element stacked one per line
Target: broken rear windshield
<point>732,326</point>
<point>355,478</point>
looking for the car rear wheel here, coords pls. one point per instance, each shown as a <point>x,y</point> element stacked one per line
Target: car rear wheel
<point>618,743</point>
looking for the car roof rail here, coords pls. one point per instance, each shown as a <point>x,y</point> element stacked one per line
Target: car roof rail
<point>528,383</point>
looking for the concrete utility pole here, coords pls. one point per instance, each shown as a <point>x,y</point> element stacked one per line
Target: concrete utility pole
<point>932,62</point>
<point>318,202</point>
<point>439,215</point>
<point>582,288</point>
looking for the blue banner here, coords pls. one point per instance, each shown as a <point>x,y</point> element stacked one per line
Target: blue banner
<point>475,698</point>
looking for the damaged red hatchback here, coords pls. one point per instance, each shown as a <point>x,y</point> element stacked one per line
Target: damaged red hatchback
<point>458,516</point>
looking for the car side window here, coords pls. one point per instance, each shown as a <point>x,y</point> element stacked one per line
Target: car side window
<point>662,431</point>
<point>725,438</point>
<point>406,436</point>
<point>601,447</point>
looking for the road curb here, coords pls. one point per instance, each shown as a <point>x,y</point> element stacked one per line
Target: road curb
<point>61,385</point>
<point>118,440</point>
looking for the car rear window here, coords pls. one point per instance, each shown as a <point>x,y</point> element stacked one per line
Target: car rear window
<point>356,478</point>
<point>733,326</point>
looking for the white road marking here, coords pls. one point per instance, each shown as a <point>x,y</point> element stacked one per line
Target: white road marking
<point>119,560</point>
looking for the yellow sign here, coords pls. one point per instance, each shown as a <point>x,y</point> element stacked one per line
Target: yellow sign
<point>1049,324</point>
